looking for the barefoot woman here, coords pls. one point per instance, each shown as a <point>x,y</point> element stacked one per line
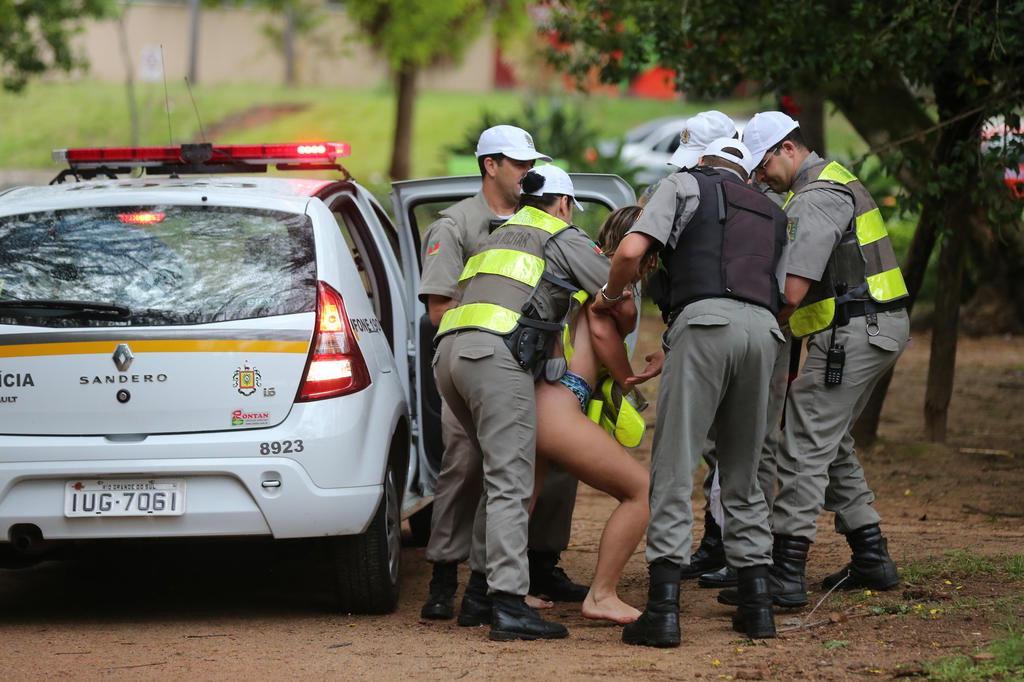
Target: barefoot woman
<point>567,437</point>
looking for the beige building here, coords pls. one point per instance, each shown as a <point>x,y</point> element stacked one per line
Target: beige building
<point>234,47</point>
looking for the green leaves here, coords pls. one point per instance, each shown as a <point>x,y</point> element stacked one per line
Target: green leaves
<point>35,36</point>
<point>423,33</point>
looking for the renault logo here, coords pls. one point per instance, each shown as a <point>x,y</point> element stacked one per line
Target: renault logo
<point>123,357</point>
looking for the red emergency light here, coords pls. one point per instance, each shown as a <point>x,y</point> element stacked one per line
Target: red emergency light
<point>142,217</point>
<point>291,154</point>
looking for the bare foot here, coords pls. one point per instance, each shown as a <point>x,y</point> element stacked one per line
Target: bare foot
<point>538,603</point>
<point>609,608</point>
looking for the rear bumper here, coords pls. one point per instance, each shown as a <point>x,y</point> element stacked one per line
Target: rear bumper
<point>224,497</point>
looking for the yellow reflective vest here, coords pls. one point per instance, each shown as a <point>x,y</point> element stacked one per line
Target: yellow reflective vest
<point>863,267</point>
<point>498,282</point>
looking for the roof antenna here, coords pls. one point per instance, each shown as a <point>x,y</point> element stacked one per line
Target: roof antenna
<point>167,101</point>
<point>202,133</point>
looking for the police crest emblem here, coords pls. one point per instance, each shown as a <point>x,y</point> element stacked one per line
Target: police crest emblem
<point>684,137</point>
<point>247,379</point>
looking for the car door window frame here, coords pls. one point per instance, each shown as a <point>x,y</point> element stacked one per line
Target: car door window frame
<point>367,258</point>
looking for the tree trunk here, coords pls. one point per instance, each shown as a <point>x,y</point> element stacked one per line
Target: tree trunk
<point>942,363</point>
<point>885,111</point>
<point>401,152</point>
<point>129,77</point>
<point>288,45</point>
<point>812,119</point>
<point>193,42</point>
<point>915,265</point>
<point>957,210</point>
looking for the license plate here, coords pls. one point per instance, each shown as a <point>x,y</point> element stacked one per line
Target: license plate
<point>124,497</point>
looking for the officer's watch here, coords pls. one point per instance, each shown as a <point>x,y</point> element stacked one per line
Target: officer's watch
<point>606,297</point>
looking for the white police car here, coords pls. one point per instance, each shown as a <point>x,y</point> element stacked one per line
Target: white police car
<point>202,355</point>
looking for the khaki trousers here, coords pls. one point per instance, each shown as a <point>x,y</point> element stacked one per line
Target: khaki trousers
<point>458,492</point>
<point>493,399</point>
<point>817,464</point>
<point>717,371</point>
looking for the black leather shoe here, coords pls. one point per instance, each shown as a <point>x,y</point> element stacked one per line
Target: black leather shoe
<point>476,604</point>
<point>444,581</point>
<point>755,617</point>
<point>786,577</point>
<point>710,554</point>
<point>870,565</point>
<point>547,579</point>
<point>658,625</point>
<point>512,619</point>
<point>723,577</point>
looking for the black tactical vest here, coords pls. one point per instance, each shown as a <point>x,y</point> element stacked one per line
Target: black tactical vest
<point>730,248</point>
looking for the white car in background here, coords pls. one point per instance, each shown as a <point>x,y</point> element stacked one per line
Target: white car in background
<point>649,146</point>
<point>202,355</point>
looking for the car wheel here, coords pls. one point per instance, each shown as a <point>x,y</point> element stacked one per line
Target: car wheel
<point>366,566</point>
<point>419,525</point>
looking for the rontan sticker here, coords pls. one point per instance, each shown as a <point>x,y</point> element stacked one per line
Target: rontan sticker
<point>246,418</point>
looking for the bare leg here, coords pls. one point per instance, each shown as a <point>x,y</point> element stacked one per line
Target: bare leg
<point>584,449</point>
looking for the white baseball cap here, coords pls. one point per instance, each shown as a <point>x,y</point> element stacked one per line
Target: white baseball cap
<point>515,143</point>
<point>766,130</point>
<point>733,150</point>
<point>556,181</point>
<point>697,133</point>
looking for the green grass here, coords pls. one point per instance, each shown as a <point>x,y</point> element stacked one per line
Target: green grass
<point>957,563</point>
<point>833,644</point>
<point>49,115</point>
<point>1001,660</point>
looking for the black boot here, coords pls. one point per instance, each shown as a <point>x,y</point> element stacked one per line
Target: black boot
<point>723,577</point>
<point>710,554</point>
<point>547,579</point>
<point>440,605</point>
<point>870,565</point>
<point>658,625</point>
<point>786,577</point>
<point>512,619</point>
<point>755,616</point>
<point>476,605</point>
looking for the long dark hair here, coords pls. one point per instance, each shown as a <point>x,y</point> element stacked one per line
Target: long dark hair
<point>532,182</point>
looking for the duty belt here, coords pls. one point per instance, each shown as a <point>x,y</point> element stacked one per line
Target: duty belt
<point>862,308</point>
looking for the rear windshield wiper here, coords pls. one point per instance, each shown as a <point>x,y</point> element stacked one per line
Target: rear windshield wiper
<point>60,308</point>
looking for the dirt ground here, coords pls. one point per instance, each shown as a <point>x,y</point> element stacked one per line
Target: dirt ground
<point>257,611</point>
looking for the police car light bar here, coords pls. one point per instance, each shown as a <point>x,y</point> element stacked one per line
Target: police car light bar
<point>294,155</point>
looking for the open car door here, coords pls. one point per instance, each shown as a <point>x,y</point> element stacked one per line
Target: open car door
<point>416,204</point>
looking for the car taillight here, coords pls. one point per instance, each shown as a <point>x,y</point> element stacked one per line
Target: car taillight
<point>335,366</point>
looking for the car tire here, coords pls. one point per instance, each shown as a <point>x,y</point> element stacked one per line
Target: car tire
<point>419,527</point>
<point>367,566</point>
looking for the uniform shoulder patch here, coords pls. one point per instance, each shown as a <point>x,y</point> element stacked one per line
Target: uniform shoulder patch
<point>791,224</point>
<point>434,248</point>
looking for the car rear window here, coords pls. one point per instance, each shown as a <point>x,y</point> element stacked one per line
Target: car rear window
<point>168,265</point>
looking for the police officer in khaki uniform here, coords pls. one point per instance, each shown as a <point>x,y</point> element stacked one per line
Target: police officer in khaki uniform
<point>850,297</point>
<point>504,153</point>
<point>708,561</point>
<point>516,297</point>
<point>721,243</point>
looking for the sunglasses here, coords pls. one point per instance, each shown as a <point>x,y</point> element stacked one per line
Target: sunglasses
<point>764,162</point>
